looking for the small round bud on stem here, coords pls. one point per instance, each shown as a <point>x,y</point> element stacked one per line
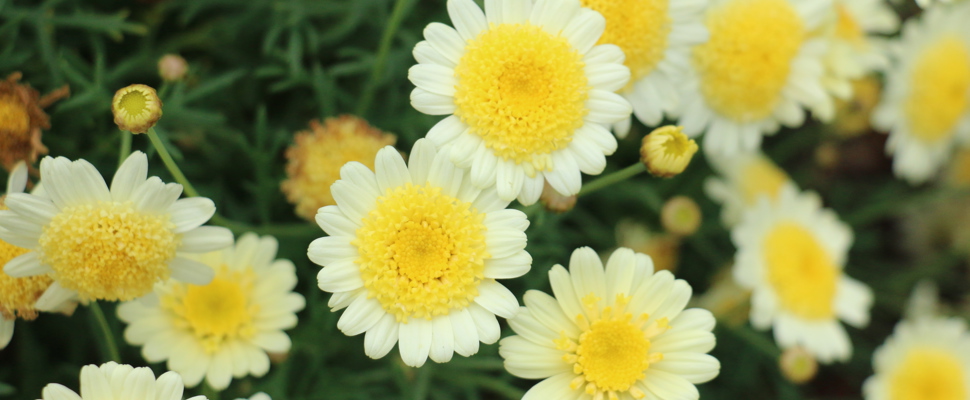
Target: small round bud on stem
<point>136,108</point>
<point>681,216</point>
<point>555,202</point>
<point>667,151</point>
<point>798,365</point>
<point>172,67</point>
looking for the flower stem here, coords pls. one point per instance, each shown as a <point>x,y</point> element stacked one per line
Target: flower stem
<point>423,380</point>
<point>209,392</point>
<point>170,164</point>
<point>616,177</point>
<point>397,15</point>
<point>109,338</point>
<point>125,147</point>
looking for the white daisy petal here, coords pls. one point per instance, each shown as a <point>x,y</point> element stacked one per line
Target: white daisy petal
<point>415,341</point>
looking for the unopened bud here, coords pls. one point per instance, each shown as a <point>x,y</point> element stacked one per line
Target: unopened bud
<point>136,108</point>
<point>172,67</point>
<point>681,216</point>
<point>666,151</point>
<point>798,365</point>
<point>555,202</point>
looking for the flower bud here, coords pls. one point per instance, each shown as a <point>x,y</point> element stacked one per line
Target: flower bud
<point>681,216</point>
<point>555,202</point>
<point>172,67</point>
<point>666,151</point>
<point>798,365</point>
<point>136,108</point>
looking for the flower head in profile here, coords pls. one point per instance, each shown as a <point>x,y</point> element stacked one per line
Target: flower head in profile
<point>527,92</point>
<point>102,243</point>
<point>656,36</point>
<point>413,254</point>
<point>614,333</point>
<point>666,151</point>
<point>743,180</point>
<point>223,329</point>
<point>314,160</point>
<point>22,118</point>
<point>113,381</point>
<point>926,104</point>
<point>791,254</point>
<point>760,69</point>
<point>136,108</point>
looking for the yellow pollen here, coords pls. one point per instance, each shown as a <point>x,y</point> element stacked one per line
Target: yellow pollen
<point>523,91</point>
<point>939,89</point>
<point>108,250</point>
<point>18,295</point>
<point>13,116</point>
<point>745,64</point>
<point>218,312</point>
<point>314,161</point>
<point>613,350</point>
<point>928,374</point>
<point>422,253</point>
<point>801,272</point>
<point>759,178</point>
<point>846,26</point>
<point>639,27</point>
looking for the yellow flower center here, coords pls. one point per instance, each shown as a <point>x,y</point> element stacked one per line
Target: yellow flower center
<point>760,178</point>
<point>939,89</point>
<point>846,26</point>
<point>108,250</point>
<point>134,102</point>
<point>613,350</point>
<point>801,272</point>
<point>422,253</point>
<point>523,91</point>
<point>639,27</point>
<point>928,374</point>
<point>18,295</point>
<point>13,116</point>
<point>218,312</point>
<point>745,64</point>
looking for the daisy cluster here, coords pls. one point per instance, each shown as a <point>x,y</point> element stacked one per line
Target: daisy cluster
<point>420,248</point>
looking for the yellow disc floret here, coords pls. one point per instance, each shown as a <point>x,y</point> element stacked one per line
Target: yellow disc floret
<point>939,89</point>
<point>613,350</point>
<point>215,313</point>
<point>108,250</point>
<point>759,178</point>
<point>13,115</point>
<point>639,27</point>
<point>927,373</point>
<point>18,295</point>
<point>422,253</point>
<point>523,91</point>
<point>801,272</point>
<point>746,63</point>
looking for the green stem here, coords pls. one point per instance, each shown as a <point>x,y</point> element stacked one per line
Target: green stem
<point>109,338</point>
<point>170,164</point>
<point>423,381</point>
<point>125,147</point>
<point>209,392</point>
<point>616,177</point>
<point>397,15</point>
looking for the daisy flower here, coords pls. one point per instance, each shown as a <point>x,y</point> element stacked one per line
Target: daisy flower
<point>314,160</point>
<point>19,296</point>
<point>22,118</point>
<point>414,253</point>
<point>656,36</point>
<point>527,91</point>
<point>926,104</point>
<point>108,244</point>
<point>743,180</point>
<point>226,328</point>
<point>853,50</point>
<point>925,358</point>
<point>791,253</point>
<point>113,381</point>
<point>619,333</point>
<point>758,70</point>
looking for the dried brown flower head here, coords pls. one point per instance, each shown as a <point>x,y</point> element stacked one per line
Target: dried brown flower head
<point>22,118</point>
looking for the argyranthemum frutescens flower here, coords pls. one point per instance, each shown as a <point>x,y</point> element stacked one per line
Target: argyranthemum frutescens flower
<point>743,179</point>
<point>528,94</point>
<point>791,253</point>
<point>314,160</point>
<point>413,254</point>
<point>656,36</point>
<point>226,328</point>
<point>925,358</point>
<point>21,119</point>
<point>853,50</point>
<point>926,104</point>
<point>759,68</point>
<point>108,244</point>
<point>112,381</point>
<point>18,296</point>
<point>619,333</point>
